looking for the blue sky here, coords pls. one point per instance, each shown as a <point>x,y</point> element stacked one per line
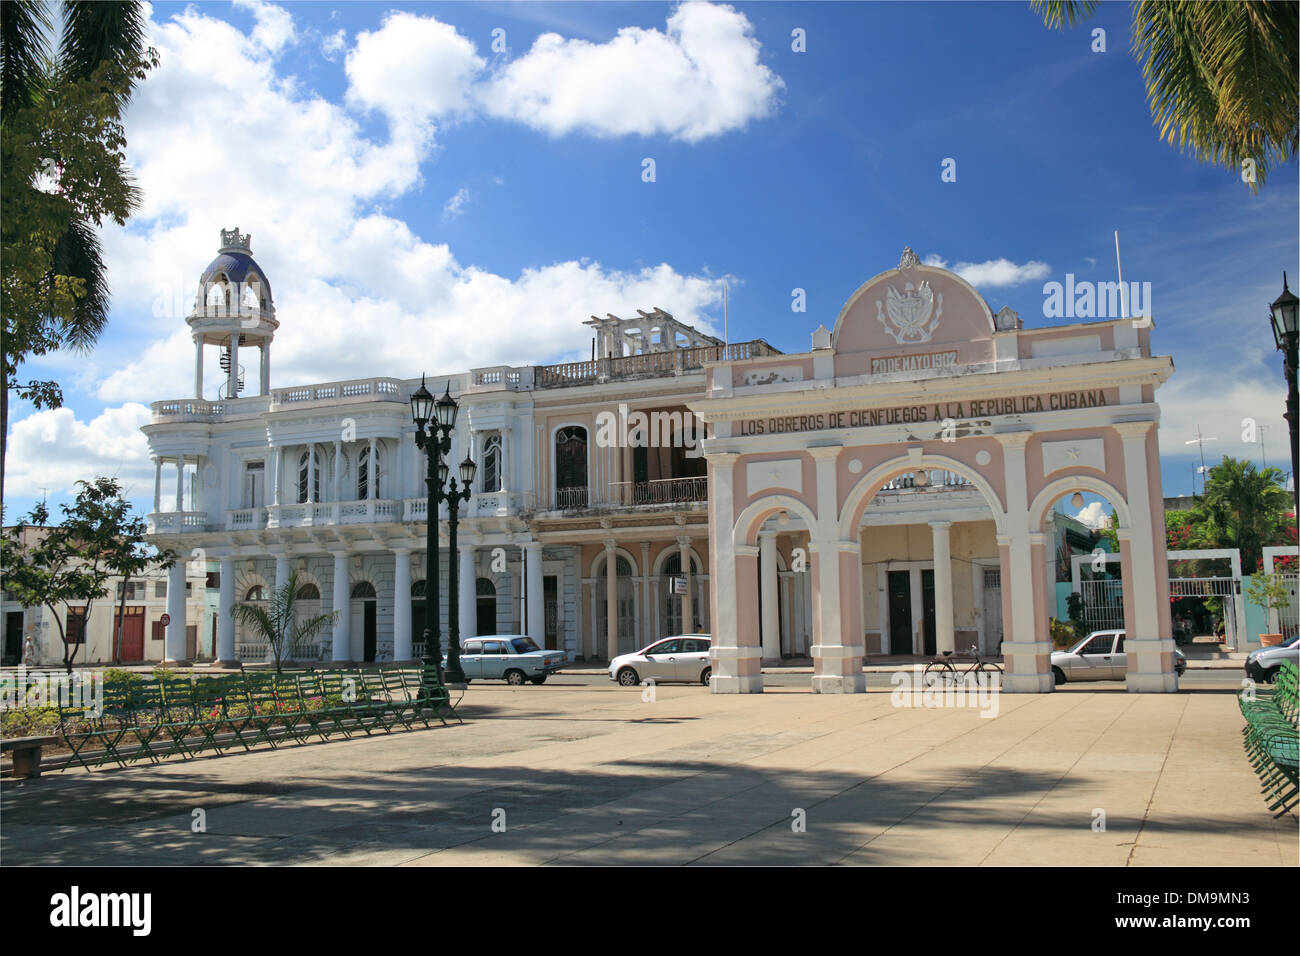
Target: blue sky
<point>403,182</point>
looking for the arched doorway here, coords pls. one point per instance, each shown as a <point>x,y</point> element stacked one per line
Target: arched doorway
<point>570,468</point>
<point>306,605</point>
<point>364,592</point>
<point>626,606</point>
<point>486,606</point>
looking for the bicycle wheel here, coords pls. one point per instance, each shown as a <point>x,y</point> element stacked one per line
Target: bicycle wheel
<point>939,673</point>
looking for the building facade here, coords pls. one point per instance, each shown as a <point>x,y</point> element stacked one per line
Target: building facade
<point>915,455</point>
<point>136,607</point>
<point>580,517</point>
<point>885,492</point>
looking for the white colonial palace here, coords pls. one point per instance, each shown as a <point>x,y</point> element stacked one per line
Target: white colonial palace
<point>888,491</point>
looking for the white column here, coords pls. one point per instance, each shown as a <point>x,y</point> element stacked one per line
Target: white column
<point>338,471</point>
<point>157,485</point>
<point>688,599</point>
<point>736,666</point>
<point>770,626</point>
<point>836,652</point>
<point>277,461</point>
<point>226,623</point>
<point>174,640</point>
<point>611,600</point>
<point>1027,669</point>
<point>311,474</point>
<point>198,368</point>
<point>536,607</point>
<point>372,473</point>
<point>468,592</point>
<point>342,649</point>
<point>232,382</point>
<point>180,484</point>
<point>266,367</point>
<point>402,605</point>
<point>943,624</point>
<point>1153,651</point>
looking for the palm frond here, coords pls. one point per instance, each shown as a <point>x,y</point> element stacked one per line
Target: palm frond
<point>77,254</point>
<point>1221,78</point>
<point>23,28</point>
<point>1057,14</point>
<point>94,31</point>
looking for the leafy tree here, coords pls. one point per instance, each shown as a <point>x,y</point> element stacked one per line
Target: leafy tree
<point>1220,77</point>
<point>278,622</point>
<point>1242,507</point>
<point>62,173</point>
<point>70,564</point>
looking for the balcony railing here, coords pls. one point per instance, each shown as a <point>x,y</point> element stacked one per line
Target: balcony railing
<point>665,492</point>
<point>934,480</point>
<point>366,389</point>
<point>178,521</point>
<point>647,364</point>
<point>662,491</point>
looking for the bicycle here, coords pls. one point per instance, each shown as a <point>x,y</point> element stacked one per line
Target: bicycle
<point>942,670</point>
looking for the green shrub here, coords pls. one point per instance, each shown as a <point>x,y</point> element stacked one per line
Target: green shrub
<point>1063,634</point>
<point>117,675</point>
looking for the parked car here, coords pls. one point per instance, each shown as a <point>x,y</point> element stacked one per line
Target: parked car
<point>681,659</point>
<point>513,658</point>
<point>1099,656</point>
<point>1262,664</point>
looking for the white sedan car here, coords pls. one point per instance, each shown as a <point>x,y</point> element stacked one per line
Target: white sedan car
<point>682,659</point>
<point>1099,656</point>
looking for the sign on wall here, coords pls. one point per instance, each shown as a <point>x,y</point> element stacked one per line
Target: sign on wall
<point>928,412</point>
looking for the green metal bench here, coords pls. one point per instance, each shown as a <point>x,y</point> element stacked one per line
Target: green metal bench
<point>177,716</point>
<point>1270,739</point>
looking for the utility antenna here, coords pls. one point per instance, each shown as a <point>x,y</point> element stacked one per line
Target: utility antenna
<point>1263,462</point>
<point>1123,293</point>
<point>1200,440</point>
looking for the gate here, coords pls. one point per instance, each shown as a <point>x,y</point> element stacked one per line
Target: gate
<point>992,611</point>
<point>1226,589</point>
<point>1103,604</point>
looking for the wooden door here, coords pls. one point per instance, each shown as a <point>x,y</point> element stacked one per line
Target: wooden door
<point>131,648</point>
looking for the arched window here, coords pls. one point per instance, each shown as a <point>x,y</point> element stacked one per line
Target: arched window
<point>491,471</point>
<point>363,591</point>
<point>255,593</point>
<point>304,477</point>
<point>309,592</point>
<point>417,589</point>
<point>571,467</point>
<point>364,471</point>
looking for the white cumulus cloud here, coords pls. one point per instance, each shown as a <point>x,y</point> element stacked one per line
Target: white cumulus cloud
<point>993,273</point>
<point>700,77</point>
<point>50,450</point>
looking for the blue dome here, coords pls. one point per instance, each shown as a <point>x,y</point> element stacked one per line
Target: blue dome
<point>236,266</point>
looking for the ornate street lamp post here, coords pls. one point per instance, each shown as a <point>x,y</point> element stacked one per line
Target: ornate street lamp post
<point>435,441</point>
<point>454,495</point>
<point>1286,336</point>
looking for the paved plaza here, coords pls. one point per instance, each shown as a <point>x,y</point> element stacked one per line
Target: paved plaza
<point>582,772</point>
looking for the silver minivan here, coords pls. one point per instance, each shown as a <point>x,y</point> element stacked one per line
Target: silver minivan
<point>1099,656</point>
<point>680,659</point>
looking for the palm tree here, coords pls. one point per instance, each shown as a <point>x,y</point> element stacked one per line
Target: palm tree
<point>84,34</point>
<point>1220,77</point>
<point>1242,507</point>
<point>278,624</point>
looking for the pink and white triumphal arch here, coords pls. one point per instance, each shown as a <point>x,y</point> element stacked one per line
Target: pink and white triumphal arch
<point>920,387</point>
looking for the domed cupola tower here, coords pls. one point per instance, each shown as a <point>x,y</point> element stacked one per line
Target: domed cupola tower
<point>233,309</point>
